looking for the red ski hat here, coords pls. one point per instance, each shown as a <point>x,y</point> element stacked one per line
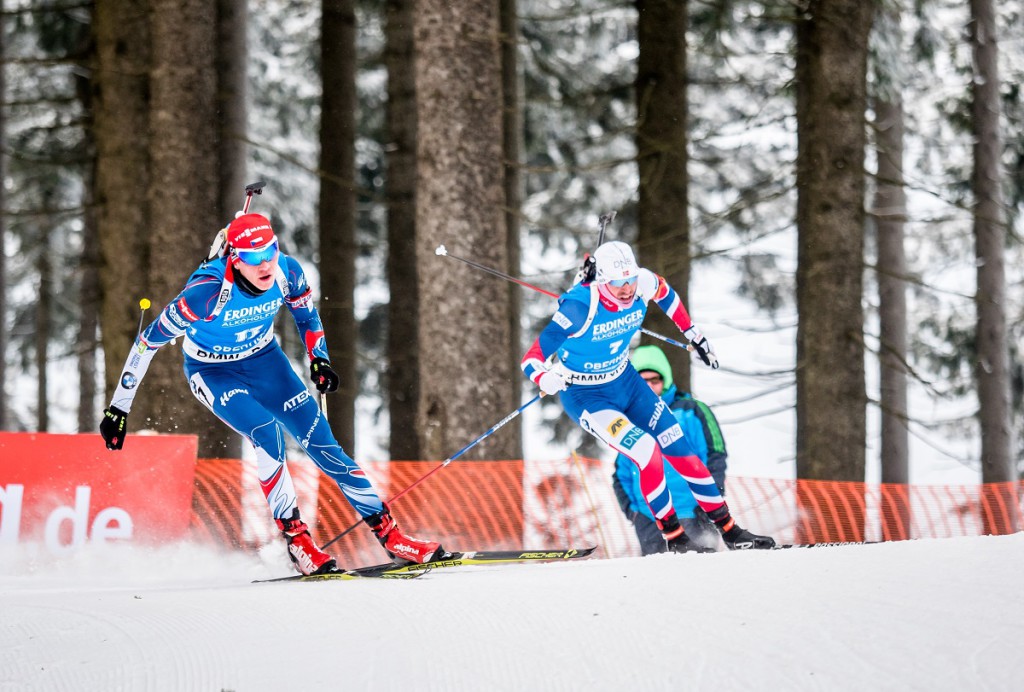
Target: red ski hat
<point>250,232</point>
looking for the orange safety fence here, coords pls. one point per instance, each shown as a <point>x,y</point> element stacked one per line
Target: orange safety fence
<point>569,502</point>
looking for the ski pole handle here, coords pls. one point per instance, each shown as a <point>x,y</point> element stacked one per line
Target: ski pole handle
<point>250,190</point>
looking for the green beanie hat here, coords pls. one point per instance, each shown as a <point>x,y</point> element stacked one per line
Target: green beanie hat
<point>651,357</point>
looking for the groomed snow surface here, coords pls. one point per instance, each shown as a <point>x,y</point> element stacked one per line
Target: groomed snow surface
<point>936,614</point>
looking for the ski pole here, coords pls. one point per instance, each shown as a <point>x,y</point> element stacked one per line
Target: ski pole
<point>447,461</point>
<point>144,304</point>
<point>250,190</point>
<point>220,241</point>
<point>443,252</point>
<point>605,219</point>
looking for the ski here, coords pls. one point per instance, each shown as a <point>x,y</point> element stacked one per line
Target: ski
<point>827,544</point>
<point>375,572</point>
<point>390,570</point>
<point>482,557</point>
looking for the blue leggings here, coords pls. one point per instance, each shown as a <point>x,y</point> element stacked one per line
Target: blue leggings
<point>631,419</point>
<point>259,396</point>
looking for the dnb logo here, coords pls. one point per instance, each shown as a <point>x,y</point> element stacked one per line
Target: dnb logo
<point>632,437</point>
<point>617,426</point>
<point>128,380</point>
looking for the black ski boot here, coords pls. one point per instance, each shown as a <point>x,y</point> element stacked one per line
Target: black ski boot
<point>736,538</point>
<point>676,538</point>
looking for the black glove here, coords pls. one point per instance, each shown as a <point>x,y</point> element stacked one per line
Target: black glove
<point>323,375</point>
<point>699,344</point>
<point>114,427</point>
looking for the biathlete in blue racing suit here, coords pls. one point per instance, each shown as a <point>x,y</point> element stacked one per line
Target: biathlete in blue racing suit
<point>588,341</point>
<point>236,368</point>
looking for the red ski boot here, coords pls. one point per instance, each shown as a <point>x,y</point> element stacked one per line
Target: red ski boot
<point>303,551</point>
<point>402,549</point>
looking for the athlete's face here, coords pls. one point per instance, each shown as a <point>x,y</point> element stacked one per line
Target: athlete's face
<point>259,275</point>
<point>624,293</point>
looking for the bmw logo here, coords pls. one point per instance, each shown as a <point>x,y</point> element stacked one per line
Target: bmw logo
<point>128,380</point>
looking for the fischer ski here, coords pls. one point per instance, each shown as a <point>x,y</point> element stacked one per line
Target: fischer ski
<point>375,572</point>
<point>390,570</point>
<point>485,557</point>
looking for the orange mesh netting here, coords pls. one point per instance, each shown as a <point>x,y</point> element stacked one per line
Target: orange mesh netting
<point>569,502</point>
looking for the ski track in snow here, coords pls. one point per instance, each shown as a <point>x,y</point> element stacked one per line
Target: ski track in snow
<point>919,615</point>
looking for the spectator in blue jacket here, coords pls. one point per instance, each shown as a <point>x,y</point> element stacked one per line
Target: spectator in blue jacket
<point>701,431</point>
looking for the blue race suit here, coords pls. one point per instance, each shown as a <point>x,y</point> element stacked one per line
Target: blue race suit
<point>588,338</point>
<point>236,368</point>
<point>700,428</point>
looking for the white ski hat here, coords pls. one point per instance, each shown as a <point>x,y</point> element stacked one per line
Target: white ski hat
<point>615,262</point>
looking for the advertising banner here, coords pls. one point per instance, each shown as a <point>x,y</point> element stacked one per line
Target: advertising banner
<point>67,490</point>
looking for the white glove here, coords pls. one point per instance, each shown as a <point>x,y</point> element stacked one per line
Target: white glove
<point>552,383</point>
<point>700,344</point>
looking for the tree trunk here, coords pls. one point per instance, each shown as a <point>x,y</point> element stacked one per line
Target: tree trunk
<point>512,129</point>
<point>992,366</point>
<point>88,324</point>
<point>232,64</point>
<point>404,306</point>
<point>337,208</point>
<point>44,308</point>
<point>120,116</point>
<point>464,338</point>
<point>87,343</point>
<point>890,213</point>
<point>831,65</point>
<point>662,211</point>
<point>183,198</point>
<point>4,422</point>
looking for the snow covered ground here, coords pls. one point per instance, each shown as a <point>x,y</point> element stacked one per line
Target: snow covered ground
<point>921,615</point>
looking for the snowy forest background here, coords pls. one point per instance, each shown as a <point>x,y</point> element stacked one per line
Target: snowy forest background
<point>574,112</point>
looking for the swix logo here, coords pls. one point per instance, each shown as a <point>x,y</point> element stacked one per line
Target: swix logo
<point>296,400</point>
<point>561,320</point>
<point>658,410</point>
<point>616,426</point>
<point>226,396</point>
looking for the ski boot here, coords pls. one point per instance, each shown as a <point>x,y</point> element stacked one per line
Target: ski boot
<point>736,538</point>
<point>303,551</point>
<point>676,538</point>
<point>402,550</point>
